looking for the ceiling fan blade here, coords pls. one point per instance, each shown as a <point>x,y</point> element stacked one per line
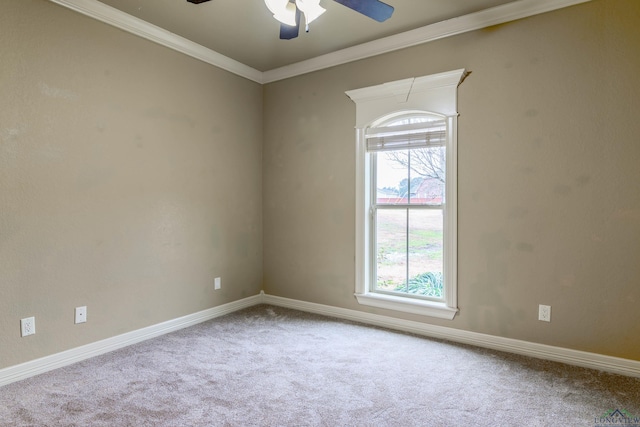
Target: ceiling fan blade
<point>197,1</point>
<point>374,9</point>
<point>288,32</point>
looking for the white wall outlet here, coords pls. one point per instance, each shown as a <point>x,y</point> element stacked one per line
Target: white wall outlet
<point>544,313</point>
<point>81,314</point>
<point>28,326</point>
<point>216,283</point>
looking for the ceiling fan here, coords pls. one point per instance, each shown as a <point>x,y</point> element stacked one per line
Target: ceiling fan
<point>289,12</point>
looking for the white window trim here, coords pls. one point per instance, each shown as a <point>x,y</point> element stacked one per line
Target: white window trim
<point>432,94</point>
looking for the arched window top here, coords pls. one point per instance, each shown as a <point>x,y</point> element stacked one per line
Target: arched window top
<point>406,129</point>
<point>407,117</point>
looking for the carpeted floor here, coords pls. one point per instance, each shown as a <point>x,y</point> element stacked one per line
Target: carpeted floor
<point>269,366</point>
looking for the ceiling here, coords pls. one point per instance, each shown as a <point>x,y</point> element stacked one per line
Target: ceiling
<point>245,31</point>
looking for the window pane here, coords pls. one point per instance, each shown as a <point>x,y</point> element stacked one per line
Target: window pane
<point>418,243</point>
<point>425,252</point>
<point>411,176</point>
<point>427,169</point>
<point>424,117</point>
<point>391,251</point>
<point>392,177</point>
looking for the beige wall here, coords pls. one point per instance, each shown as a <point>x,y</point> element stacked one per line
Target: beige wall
<point>549,177</point>
<point>130,177</point>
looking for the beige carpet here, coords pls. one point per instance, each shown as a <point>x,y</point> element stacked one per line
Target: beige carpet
<point>269,366</point>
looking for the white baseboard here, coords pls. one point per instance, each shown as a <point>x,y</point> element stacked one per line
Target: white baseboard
<point>541,351</point>
<point>58,360</point>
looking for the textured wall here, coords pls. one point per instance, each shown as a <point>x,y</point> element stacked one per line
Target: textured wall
<point>130,177</point>
<point>549,207</point>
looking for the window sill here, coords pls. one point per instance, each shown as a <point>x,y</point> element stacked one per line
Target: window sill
<point>408,305</point>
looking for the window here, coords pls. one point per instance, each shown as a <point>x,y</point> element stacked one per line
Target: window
<point>406,195</point>
<point>407,177</point>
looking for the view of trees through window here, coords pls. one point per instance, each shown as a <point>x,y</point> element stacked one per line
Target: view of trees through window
<point>410,195</point>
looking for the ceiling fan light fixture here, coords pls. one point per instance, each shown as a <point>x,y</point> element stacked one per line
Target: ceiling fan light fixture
<point>283,11</point>
<point>288,16</point>
<point>311,9</point>
<point>276,5</point>
<point>288,12</point>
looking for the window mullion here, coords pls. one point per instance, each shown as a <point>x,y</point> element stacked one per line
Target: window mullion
<point>406,280</point>
<point>407,206</point>
<point>409,189</point>
<point>373,241</point>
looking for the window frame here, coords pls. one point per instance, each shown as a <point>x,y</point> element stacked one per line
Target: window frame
<point>434,94</point>
<point>375,207</point>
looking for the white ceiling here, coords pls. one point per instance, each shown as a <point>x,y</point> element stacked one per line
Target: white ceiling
<point>245,30</point>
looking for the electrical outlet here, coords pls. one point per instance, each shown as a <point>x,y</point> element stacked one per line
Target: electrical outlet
<point>28,326</point>
<point>544,313</point>
<point>81,314</point>
<point>216,283</point>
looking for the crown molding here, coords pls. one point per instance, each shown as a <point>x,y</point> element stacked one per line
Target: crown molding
<point>494,16</point>
<point>137,26</point>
